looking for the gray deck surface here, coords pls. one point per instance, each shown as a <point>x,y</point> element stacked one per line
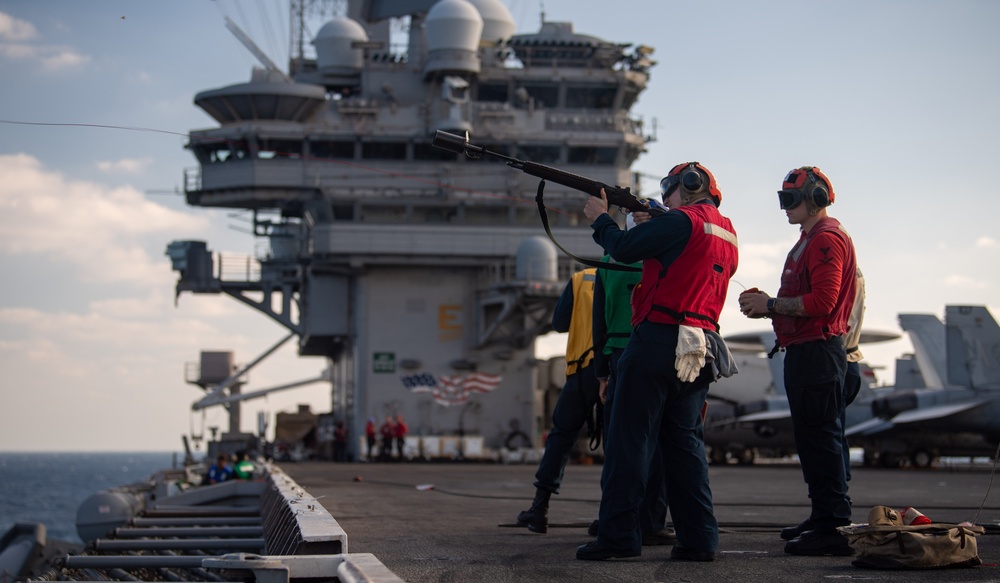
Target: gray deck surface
<point>452,532</point>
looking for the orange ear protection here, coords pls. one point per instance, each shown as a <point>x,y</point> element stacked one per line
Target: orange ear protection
<point>692,176</point>
<point>805,182</point>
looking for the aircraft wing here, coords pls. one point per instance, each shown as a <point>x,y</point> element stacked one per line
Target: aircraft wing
<point>936,412</point>
<point>764,416</point>
<point>869,427</point>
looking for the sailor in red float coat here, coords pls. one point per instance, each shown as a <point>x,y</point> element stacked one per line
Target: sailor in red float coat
<point>705,266</point>
<point>689,253</point>
<point>827,243</point>
<point>810,316</point>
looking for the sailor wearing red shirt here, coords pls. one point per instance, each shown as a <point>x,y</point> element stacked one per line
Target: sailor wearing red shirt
<point>689,254</point>
<point>810,317</point>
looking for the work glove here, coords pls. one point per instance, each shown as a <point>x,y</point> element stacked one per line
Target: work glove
<point>691,349</point>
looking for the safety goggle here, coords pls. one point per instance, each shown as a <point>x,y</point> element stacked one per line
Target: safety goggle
<point>789,199</point>
<point>668,184</point>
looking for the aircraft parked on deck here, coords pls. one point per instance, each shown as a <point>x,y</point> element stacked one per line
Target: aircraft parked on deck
<point>946,400</point>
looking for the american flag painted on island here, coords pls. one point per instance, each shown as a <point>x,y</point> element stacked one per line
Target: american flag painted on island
<point>451,389</point>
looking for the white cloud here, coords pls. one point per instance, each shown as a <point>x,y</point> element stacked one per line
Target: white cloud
<point>58,59</point>
<point>52,58</point>
<point>16,43</point>
<point>986,242</point>
<point>15,51</point>
<point>125,165</point>
<point>13,29</point>
<point>116,374</point>
<point>965,282</point>
<point>103,231</point>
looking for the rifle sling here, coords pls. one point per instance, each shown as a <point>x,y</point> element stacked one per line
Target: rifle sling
<point>548,231</point>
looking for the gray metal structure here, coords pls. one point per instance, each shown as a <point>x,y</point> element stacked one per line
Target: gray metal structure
<point>421,276</point>
<point>151,531</point>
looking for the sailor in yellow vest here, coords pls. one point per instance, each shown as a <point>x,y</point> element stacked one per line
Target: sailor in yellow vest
<point>575,407</point>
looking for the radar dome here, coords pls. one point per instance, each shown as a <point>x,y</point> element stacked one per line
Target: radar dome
<point>498,24</point>
<point>334,53</point>
<point>453,29</point>
<point>536,260</point>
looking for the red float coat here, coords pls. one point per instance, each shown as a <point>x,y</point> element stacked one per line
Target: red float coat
<point>693,289</point>
<point>821,268</point>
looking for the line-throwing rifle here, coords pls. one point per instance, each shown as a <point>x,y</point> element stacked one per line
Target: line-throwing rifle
<point>616,195</point>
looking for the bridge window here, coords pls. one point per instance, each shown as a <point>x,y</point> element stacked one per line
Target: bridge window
<point>279,149</point>
<point>540,154</point>
<point>335,150</point>
<point>590,97</point>
<point>383,150</point>
<point>493,92</point>
<point>343,212</point>
<point>434,214</point>
<point>221,151</point>
<point>425,151</point>
<point>544,95</point>
<point>591,155</point>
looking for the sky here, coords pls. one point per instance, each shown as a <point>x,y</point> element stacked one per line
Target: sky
<point>896,101</point>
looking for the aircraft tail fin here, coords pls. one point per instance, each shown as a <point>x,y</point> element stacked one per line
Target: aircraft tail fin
<point>927,333</point>
<point>973,341</point>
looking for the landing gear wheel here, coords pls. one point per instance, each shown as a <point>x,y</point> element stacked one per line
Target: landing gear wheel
<point>921,458</point>
<point>746,456</point>
<point>717,456</point>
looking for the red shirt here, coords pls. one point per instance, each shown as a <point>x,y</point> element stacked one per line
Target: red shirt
<point>821,269</point>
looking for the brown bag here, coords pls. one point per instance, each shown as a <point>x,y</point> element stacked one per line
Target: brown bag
<point>886,543</point>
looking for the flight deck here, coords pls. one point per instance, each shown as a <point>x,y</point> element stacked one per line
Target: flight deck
<point>450,521</point>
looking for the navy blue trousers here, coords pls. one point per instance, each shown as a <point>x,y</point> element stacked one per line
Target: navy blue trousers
<point>653,511</point>
<point>814,381</point>
<point>575,404</point>
<point>653,408</point>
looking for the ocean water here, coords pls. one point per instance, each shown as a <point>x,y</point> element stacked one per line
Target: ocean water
<point>49,487</point>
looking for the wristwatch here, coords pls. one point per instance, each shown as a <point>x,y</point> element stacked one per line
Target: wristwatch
<point>770,304</point>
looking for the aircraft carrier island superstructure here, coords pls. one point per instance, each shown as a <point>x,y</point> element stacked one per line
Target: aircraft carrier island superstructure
<point>422,276</point>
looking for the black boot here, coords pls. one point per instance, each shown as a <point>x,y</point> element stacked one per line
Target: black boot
<point>536,517</point>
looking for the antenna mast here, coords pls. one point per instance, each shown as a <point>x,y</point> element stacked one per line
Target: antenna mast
<point>253,48</point>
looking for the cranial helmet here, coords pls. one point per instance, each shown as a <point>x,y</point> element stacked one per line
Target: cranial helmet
<point>805,183</point>
<point>693,178</point>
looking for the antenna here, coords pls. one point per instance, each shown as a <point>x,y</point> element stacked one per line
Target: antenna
<point>254,49</point>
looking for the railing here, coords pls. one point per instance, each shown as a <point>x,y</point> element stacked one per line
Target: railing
<point>237,267</point>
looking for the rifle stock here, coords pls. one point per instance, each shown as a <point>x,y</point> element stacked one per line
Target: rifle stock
<point>616,195</point>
